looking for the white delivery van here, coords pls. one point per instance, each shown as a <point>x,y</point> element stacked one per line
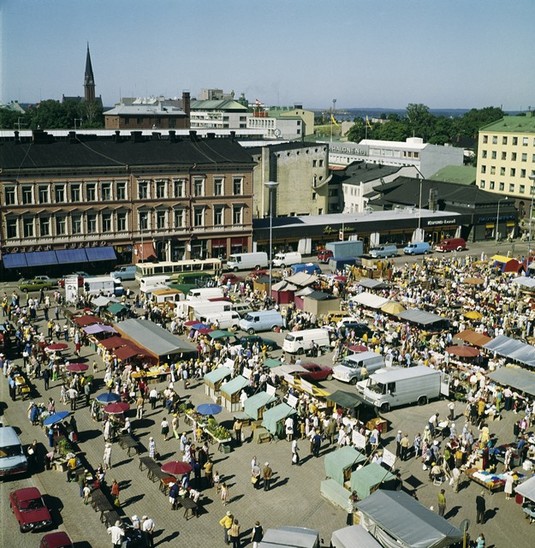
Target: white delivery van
<point>419,248</point>
<point>103,285</point>
<point>396,386</point>
<point>147,284</point>
<point>163,295</point>
<point>283,260</point>
<point>203,309</point>
<point>247,261</point>
<point>383,251</point>
<point>261,320</point>
<point>12,458</point>
<point>298,342</point>
<point>223,320</point>
<point>353,367</point>
<point>205,293</point>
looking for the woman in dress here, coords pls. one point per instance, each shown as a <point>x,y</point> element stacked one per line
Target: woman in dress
<point>509,481</point>
<point>164,426</point>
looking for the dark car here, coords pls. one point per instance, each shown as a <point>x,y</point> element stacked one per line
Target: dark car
<point>315,372</point>
<point>30,510</point>
<point>57,539</point>
<point>358,327</point>
<point>324,255</point>
<point>249,340</point>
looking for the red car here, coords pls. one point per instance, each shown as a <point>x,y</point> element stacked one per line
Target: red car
<point>315,372</point>
<point>58,539</point>
<point>324,255</point>
<point>230,276</point>
<point>30,510</point>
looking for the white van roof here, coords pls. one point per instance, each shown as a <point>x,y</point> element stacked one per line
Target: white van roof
<point>393,374</point>
<point>362,356</point>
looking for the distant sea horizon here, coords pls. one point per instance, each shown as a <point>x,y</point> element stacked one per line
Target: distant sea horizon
<point>376,112</point>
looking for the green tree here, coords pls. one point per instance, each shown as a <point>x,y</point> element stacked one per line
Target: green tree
<point>390,131</point>
<point>9,119</point>
<point>420,121</point>
<point>357,132</point>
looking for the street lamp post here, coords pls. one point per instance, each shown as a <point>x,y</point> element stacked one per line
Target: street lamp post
<point>498,217</point>
<point>272,187</point>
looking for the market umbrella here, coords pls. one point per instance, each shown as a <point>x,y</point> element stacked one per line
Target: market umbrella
<point>209,409</point>
<point>473,315</point>
<point>55,417</point>
<point>357,348</point>
<point>473,281</point>
<point>463,351</point>
<point>57,347</point>
<point>108,397</point>
<point>176,467</point>
<point>199,326</point>
<point>220,334</point>
<point>116,408</point>
<point>392,307</point>
<point>77,367</point>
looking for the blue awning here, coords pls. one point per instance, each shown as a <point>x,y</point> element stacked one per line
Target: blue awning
<point>100,254</point>
<point>41,258</point>
<point>14,260</point>
<point>66,256</point>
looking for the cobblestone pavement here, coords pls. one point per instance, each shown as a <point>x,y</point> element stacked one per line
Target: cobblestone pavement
<point>293,500</point>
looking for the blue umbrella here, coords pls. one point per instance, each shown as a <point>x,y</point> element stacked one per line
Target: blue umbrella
<point>108,397</point>
<point>209,409</point>
<point>56,417</point>
<point>198,326</point>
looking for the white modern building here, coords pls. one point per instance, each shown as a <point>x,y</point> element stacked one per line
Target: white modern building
<point>426,158</point>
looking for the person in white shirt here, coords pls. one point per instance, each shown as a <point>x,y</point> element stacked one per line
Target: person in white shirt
<point>148,526</point>
<point>117,534</point>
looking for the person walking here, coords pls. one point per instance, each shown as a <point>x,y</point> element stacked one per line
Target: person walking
<point>480,541</point>
<point>509,482</point>
<point>224,493</point>
<point>140,404</point>
<point>115,493</point>
<point>481,507</point>
<point>226,522</point>
<point>117,534</point>
<point>295,453</point>
<point>152,448</point>
<point>267,474</point>
<point>238,425</point>
<point>258,534</point>
<point>164,428</point>
<point>106,458</point>
<point>148,527</point>
<point>442,502</point>
<point>175,424</point>
<point>234,534</point>
<point>404,447</point>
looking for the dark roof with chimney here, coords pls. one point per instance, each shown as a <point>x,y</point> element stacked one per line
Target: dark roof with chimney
<point>290,145</point>
<point>89,151</point>
<point>361,172</point>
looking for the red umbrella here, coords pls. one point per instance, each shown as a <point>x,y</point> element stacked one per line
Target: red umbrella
<point>77,367</point>
<point>463,351</point>
<point>176,467</point>
<point>116,408</point>
<point>55,347</point>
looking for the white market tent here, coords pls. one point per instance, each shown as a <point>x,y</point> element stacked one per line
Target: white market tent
<point>525,281</point>
<point>527,489</point>
<point>513,349</point>
<point>515,377</point>
<point>397,520</point>
<point>421,317</point>
<point>369,299</point>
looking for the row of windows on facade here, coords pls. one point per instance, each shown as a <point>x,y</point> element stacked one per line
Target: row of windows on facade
<point>501,187</point>
<point>128,120</point>
<point>505,140</point>
<point>391,153</point>
<point>106,222</point>
<point>513,171</point>
<point>116,191</point>
<point>503,156</point>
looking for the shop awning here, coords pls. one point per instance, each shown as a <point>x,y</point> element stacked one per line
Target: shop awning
<point>472,337</point>
<point>397,519</point>
<point>347,400</point>
<point>516,378</point>
<point>41,258</point>
<point>69,256</point>
<point>527,489</point>
<point>145,251</point>
<point>369,299</point>
<point>116,308</point>
<point>88,319</point>
<point>421,317</point>
<point>127,352</point>
<point>99,328</point>
<point>14,260</point>
<point>370,283</point>
<point>106,253</point>
<point>256,402</point>
<point>524,281</point>
<point>233,386</point>
<point>513,349</point>
<point>302,279</point>
<point>365,480</point>
<point>112,342</point>
<point>217,375</point>
<point>340,460</point>
<point>274,415</point>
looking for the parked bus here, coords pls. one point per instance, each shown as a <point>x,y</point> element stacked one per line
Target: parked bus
<point>177,269</point>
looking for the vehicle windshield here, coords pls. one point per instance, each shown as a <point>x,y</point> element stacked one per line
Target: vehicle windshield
<point>10,451</point>
<point>378,388</point>
<point>289,337</point>
<point>249,318</point>
<point>350,363</point>
<point>32,504</point>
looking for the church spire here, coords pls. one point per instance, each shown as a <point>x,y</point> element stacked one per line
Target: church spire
<point>89,79</point>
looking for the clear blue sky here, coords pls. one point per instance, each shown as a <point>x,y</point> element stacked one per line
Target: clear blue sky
<point>363,53</point>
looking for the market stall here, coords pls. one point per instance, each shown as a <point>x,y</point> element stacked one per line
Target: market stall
<point>397,520</point>
<point>341,463</point>
<point>254,406</point>
<point>230,393</point>
<point>273,420</point>
<point>213,380</point>
<point>369,478</point>
<point>527,491</point>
